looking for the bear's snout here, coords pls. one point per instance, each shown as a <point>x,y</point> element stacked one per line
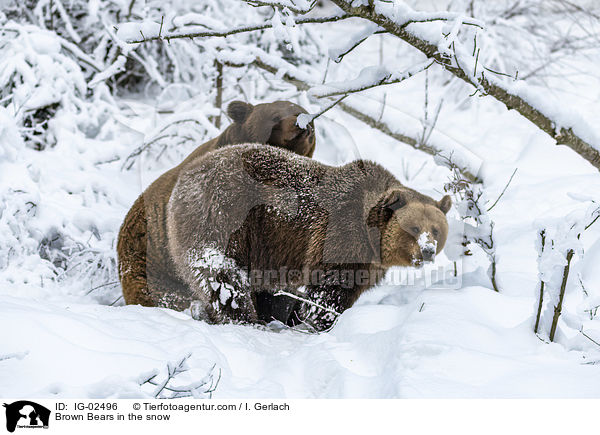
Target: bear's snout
<point>428,254</point>
<point>428,246</point>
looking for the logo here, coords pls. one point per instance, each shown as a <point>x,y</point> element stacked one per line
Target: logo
<point>26,414</point>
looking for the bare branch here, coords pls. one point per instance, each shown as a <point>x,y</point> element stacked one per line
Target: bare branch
<point>304,119</point>
<point>298,298</point>
<point>588,337</point>
<point>130,8</point>
<point>503,190</point>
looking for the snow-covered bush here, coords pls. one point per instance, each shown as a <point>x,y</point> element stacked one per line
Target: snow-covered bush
<point>474,226</point>
<point>56,218</point>
<point>534,40</point>
<point>38,79</point>
<point>559,244</point>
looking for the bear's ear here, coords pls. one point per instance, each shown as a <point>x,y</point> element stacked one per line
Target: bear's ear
<point>445,203</point>
<point>395,200</point>
<point>239,111</point>
<point>385,208</point>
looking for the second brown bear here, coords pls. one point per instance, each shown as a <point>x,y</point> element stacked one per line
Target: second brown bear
<point>146,269</point>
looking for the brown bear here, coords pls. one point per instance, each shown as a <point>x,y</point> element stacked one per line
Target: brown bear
<point>146,269</point>
<point>247,222</point>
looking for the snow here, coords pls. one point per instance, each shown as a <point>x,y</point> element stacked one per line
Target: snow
<point>421,333</point>
<point>210,258</point>
<point>426,242</point>
<point>471,343</point>
<point>137,31</point>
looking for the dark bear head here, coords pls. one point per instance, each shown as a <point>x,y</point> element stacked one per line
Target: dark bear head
<point>272,124</point>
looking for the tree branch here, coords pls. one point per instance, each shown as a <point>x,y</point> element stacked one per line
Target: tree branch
<point>234,31</point>
<point>384,78</point>
<point>503,190</point>
<point>290,5</point>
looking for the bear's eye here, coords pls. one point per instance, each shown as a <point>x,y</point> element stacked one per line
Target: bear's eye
<point>414,230</point>
<point>435,232</point>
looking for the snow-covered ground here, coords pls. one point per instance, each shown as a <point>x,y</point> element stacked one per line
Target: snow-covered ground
<point>72,336</point>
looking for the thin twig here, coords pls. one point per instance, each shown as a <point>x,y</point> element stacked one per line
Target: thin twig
<point>171,373</point>
<point>504,190</point>
<point>383,102</point>
<point>589,338</point>
<point>312,117</point>
<point>592,222</point>
<point>103,285</point>
<point>541,301</point>
<point>293,296</point>
<point>139,150</point>
<point>115,301</point>
<point>130,9</point>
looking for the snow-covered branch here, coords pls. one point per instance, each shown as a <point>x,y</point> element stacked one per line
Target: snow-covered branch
<point>296,6</point>
<point>558,243</point>
<point>201,389</point>
<point>408,16</point>
<point>368,78</point>
<point>135,33</point>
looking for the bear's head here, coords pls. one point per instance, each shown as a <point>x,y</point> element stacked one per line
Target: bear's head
<point>272,124</point>
<point>412,227</point>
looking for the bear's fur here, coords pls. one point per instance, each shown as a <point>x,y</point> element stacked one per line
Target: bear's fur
<point>145,267</point>
<point>246,221</point>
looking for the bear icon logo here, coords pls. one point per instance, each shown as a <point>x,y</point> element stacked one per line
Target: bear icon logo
<point>26,414</point>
